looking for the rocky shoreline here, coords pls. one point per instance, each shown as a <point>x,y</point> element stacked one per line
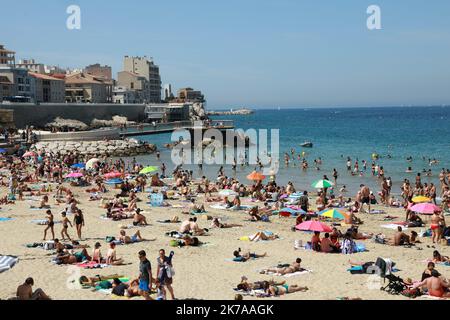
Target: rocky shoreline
<point>114,148</point>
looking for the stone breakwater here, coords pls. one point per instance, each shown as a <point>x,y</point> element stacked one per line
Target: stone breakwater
<point>114,148</point>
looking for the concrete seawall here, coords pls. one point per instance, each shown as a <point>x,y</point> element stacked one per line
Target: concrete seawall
<point>39,115</point>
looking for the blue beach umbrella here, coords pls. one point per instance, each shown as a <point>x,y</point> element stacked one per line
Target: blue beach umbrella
<point>114,181</point>
<point>78,166</point>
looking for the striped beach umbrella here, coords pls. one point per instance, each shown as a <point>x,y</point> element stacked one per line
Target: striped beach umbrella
<point>320,184</point>
<point>7,262</point>
<point>333,214</point>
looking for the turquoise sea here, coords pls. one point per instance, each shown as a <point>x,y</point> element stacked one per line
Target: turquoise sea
<point>337,133</point>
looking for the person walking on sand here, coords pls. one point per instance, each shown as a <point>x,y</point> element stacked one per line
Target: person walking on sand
<point>164,271</point>
<point>78,221</point>
<point>50,225</point>
<point>365,197</point>
<point>145,276</point>
<point>65,223</point>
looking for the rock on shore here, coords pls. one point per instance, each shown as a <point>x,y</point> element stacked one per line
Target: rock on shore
<point>114,148</point>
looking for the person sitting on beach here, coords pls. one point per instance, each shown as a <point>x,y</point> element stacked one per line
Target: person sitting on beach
<point>123,238</point>
<point>283,289</point>
<point>427,272</point>
<point>139,219</point>
<point>111,256</point>
<point>437,257</point>
<point>315,241</point>
<point>185,226</point>
<point>400,238</point>
<point>437,286</point>
<point>42,205</point>
<point>25,291</point>
<point>351,219</point>
<point>287,269</point>
<point>414,220</point>
<point>216,223</point>
<point>243,257</point>
<point>195,229</point>
<point>326,245</point>
<point>196,208</point>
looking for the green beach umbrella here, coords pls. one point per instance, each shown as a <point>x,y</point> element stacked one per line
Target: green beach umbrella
<point>149,169</point>
<point>320,184</point>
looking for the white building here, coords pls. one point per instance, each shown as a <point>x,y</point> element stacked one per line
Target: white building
<point>124,95</point>
<point>145,67</point>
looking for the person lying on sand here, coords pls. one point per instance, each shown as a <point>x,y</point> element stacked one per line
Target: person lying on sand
<point>437,257</point>
<point>185,240</point>
<point>216,223</point>
<point>123,238</point>
<point>275,290</point>
<point>248,286</point>
<point>72,258</point>
<point>25,291</point>
<point>262,236</point>
<point>242,257</point>
<point>292,268</point>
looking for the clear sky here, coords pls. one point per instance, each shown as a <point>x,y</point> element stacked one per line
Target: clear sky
<point>255,53</point>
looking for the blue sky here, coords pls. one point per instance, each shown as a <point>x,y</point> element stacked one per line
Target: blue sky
<point>255,53</point>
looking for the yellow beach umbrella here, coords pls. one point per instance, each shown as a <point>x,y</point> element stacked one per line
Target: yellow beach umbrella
<point>420,199</point>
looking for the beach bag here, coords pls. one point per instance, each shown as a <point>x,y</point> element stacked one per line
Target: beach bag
<point>49,245</point>
<point>173,243</point>
<point>265,219</point>
<point>109,239</point>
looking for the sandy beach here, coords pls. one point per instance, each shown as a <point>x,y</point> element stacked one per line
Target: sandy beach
<point>204,272</point>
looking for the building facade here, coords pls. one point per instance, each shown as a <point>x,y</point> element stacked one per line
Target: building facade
<point>31,65</point>
<point>144,67</point>
<point>7,57</point>
<point>98,70</point>
<point>48,88</point>
<point>137,83</point>
<point>123,95</point>
<point>85,88</point>
<point>23,85</point>
<point>190,95</point>
<point>167,112</point>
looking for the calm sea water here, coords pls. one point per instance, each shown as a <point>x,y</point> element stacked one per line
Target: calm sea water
<point>340,132</point>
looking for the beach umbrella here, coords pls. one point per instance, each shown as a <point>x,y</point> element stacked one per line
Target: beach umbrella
<point>333,214</point>
<point>78,166</point>
<point>289,211</point>
<point>114,181</point>
<point>426,208</point>
<point>29,154</point>
<point>227,193</point>
<point>112,175</point>
<point>256,176</point>
<point>320,184</point>
<point>420,199</point>
<point>313,226</point>
<point>74,175</point>
<point>91,162</point>
<point>7,262</point>
<point>149,169</point>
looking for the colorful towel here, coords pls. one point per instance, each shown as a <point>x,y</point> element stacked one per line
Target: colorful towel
<point>5,219</point>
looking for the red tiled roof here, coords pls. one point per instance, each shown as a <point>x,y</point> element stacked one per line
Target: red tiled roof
<point>43,76</point>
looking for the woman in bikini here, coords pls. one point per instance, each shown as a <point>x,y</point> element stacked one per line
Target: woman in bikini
<point>65,223</point>
<point>50,225</point>
<point>217,224</point>
<point>274,290</point>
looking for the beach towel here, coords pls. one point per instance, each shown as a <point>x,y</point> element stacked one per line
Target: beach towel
<point>289,275</point>
<point>5,219</point>
<point>7,262</point>
<point>253,293</point>
<point>92,265</point>
<point>393,226</point>
<point>377,212</point>
<point>219,206</point>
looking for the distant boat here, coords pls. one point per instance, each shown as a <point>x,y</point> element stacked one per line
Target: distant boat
<point>307,144</point>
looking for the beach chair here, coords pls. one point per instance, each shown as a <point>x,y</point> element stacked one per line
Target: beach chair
<point>156,199</point>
